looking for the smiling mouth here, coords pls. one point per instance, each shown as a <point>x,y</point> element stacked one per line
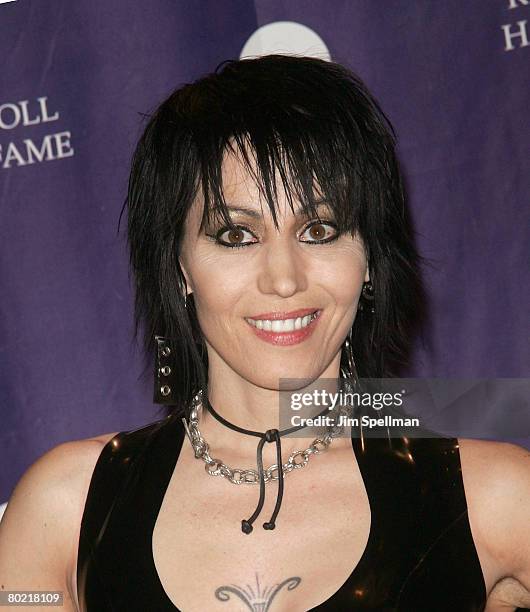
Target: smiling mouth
<point>283,325</point>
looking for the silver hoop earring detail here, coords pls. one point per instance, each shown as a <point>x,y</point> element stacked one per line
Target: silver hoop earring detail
<point>349,370</point>
<point>367,299</point>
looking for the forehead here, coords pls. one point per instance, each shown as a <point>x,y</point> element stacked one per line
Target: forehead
<point>242,182</point>
<point>238,182</point>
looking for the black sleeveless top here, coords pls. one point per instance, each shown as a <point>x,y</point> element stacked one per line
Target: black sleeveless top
<point>420,553</point>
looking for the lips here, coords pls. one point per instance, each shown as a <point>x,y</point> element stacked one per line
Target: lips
<point>290,336</point>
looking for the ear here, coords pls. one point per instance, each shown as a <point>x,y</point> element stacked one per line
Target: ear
<point>186,276</point>
<point>367,257</point>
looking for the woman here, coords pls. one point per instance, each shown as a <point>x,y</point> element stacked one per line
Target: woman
<point>268,234</point>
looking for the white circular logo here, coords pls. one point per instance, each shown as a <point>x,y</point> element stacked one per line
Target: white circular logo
<point>285,38</point>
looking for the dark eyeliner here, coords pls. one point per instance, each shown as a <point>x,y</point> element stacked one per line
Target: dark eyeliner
<point>321,222</point>
<point>215,237</point>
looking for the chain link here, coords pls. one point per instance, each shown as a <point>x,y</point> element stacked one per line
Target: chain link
<point>238,476</point>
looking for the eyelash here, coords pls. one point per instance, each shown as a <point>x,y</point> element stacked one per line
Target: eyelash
<point>220,232</point>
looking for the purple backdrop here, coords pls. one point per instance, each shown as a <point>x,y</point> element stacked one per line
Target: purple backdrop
<point>451,76</point>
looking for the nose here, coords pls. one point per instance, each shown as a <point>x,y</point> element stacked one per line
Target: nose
<point>283,270</point>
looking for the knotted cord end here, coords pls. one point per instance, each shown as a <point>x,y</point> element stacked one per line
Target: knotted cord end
<point>271,435</point>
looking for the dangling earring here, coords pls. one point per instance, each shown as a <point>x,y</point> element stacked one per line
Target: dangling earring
<point>349,369</point>
<point>165,371</point>
<point>366,301</point>
<point>365,305</point>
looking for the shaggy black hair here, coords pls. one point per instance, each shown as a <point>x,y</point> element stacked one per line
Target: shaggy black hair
<point>316,124</point>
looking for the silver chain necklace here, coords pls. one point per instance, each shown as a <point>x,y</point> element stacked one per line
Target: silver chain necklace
<point>216,467</point>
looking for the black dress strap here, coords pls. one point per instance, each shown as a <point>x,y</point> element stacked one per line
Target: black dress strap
<point>126,490</point>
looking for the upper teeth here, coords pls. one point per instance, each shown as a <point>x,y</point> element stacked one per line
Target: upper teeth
<point>283,325</point>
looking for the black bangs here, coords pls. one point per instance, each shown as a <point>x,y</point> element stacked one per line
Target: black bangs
<point>307,125</point>
<point>293,119</point>
<point>300,168</point>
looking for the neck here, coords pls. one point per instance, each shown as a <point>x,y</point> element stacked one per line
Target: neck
<point>255,408</point>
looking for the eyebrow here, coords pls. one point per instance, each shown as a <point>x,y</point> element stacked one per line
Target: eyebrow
<point>255,214</point>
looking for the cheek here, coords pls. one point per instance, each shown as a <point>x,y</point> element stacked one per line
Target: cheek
<point>217,291</point>
<point>342,275</point>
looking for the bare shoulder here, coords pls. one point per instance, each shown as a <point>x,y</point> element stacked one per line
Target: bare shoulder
<point>500,470</point>
<point>496,479</point>
<point>40,527</point>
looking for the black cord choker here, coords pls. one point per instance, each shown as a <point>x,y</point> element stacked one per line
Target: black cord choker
<point>271,435</point>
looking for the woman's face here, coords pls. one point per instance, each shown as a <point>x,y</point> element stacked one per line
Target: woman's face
<point>273,271</point>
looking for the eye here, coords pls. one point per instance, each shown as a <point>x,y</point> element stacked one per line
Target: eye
<point>234,237</point>
<point>318,232</point>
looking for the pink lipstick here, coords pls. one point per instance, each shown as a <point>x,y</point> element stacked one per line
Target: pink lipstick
<point>285,328</point>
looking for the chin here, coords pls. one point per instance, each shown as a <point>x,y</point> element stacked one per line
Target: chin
<point>290,379</point>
